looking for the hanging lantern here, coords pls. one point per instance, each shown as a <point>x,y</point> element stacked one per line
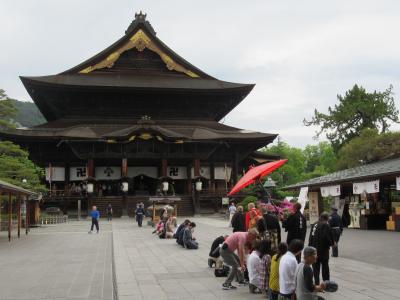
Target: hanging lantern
<point>125,187</point>
<point>165,186</point>
<point>199,186</point>
<point>90,187</point>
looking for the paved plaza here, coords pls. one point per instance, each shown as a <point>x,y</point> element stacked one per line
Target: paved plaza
<point>65,262</point>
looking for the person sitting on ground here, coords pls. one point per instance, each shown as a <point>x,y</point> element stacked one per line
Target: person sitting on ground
<point>238,220</point>
<point>170,228</point>
<point>254,268</point>
<point>214,256</point>
<point>305,287</point>
<point>189,241</point>
<point>273,290</point>
<point>287,270</point>
<point>265,255</point>
<point>180,231</point>
<point>236,242</point>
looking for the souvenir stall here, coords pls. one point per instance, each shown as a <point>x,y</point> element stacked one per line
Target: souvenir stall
<point>368,195</point>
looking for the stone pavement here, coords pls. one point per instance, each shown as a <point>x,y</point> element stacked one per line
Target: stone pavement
<point>65,262</point>
<point>57,262</point>
<point>150,268</point>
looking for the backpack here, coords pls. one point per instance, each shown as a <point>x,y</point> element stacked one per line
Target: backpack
<point>223,272</point>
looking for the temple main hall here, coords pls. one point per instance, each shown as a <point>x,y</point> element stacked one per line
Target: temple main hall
<point>134,122</point>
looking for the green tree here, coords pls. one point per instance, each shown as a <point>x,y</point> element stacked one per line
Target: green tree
<point>18,169</point>
<point>357,110</point>
<point>370,146</point>
<point>15,165</point>
<point>293,170</point>
<point>7,111</point>
<point>320,158</point>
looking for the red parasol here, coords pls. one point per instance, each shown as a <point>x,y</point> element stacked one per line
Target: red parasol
<point>255,174</point>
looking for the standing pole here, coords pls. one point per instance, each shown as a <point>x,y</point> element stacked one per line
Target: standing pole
<point>27,210</point>
<point>79,209</point>
<point>9,215</point>
<point>19,214</point>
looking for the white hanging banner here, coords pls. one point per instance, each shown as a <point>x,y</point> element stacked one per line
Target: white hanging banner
<point>398,183</point>
<point>369,187</point>
<point>302,199</point>
<point>77,173</point>
<point>204,172</point>
<point>223,173</point>
<point>333,190</point>
<point>177,172</point>
<point>325,190</point>
<point>107,173</point>
<point>147,171</point>
<point>56,173</point>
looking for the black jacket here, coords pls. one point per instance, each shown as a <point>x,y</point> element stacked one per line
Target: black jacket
<point>238,222</point>
<point>296,227</point>
<point>321,238</point>
<point>272,223</point>
<point>219,240</point>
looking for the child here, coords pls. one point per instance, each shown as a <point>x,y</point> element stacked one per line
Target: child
<point>265,256</point>
<point>274,272</point>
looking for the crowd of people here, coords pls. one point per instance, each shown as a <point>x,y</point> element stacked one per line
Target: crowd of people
<point>257,257</point>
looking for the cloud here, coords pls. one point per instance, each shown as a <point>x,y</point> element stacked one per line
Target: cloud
<point>300,54</point>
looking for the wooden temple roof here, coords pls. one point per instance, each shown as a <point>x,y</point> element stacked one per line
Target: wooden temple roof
<point>126,130</point>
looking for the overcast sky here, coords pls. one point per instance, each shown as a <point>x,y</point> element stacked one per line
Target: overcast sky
<point>300,54</point>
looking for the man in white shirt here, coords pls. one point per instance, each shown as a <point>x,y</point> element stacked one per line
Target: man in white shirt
<point>287,270</point>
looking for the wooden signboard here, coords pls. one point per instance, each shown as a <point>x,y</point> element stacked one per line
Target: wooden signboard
<point>313,207</point>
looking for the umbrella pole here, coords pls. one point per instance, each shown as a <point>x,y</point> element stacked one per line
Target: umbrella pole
<point>263,191</point>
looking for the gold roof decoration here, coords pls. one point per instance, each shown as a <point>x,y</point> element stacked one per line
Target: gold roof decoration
<point>140,40</point>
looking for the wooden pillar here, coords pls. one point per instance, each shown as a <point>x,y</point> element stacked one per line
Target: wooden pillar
<point>90,173</point>
<point>196,166</point>
<point>164,167</point>
<point>189,179</point>
<point>9,215</point>
<point>235,167</point>
<point>124,167</point>
<point>212,177</point>
<point>19,214</point>
<point>90,167</point>
<point>124,174</point>
<point>27,212</point>
<point>66,176</point>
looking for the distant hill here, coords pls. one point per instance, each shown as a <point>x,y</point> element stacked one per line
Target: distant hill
<point>28,114</point>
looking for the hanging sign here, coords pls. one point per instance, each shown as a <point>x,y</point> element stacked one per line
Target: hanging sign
<point>302,199</point>
<point>177,172</point>
<point>77,173</point>
<point>398,183</point>
<point>313,207</point>
<point>204,172</point>
<point>108,173</point>
<point>55,174</point>
<point>333,190</point>
<point>369,187</point>
<point>147,171</point>
<point>223,173</point>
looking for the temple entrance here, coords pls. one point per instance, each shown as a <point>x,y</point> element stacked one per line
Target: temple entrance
<point>143,185</point>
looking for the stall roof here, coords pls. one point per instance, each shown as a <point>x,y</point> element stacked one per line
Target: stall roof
<point>8,187</point>
<point>377,169</point>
